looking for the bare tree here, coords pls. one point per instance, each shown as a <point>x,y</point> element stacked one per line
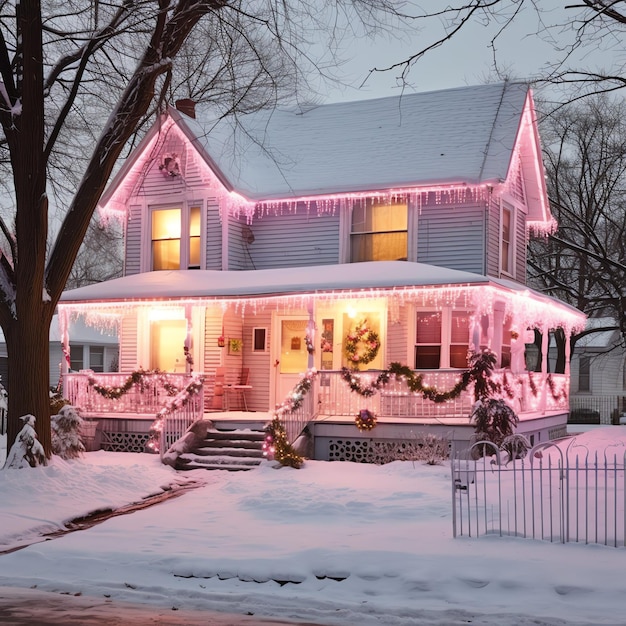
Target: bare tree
<point>584,261</point>
<point>588,38</point>
<point>77,81</point>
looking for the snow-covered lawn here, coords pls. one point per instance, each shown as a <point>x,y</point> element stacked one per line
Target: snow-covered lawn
<point>334,543</point>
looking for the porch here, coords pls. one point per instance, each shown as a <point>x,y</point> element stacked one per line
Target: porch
<point>124,421</point>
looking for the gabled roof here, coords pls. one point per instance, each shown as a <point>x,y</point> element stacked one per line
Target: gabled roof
<point>462,135</point>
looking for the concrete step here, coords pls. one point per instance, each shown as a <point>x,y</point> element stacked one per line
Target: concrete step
<point>225,462</point>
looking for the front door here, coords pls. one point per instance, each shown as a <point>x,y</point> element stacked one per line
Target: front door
<point>291,353</point>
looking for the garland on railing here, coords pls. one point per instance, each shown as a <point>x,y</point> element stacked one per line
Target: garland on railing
<point>556,395</point>
<point>276,444</point>
<point>480,373</point>
<point>177,402</point>
<point>135,378</point>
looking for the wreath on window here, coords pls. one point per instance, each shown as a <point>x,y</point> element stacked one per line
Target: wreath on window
<point>361,345</point>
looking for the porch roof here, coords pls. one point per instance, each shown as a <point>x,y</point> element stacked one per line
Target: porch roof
<point>362,278</point>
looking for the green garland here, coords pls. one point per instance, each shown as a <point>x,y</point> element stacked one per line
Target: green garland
<point>135,378</point>
<point>481,369</point>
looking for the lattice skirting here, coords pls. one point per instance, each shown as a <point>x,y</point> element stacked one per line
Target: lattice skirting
<point>369,450</point>
<point>123,442</point>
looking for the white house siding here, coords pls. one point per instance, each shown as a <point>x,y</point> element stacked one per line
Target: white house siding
<point>238,258</point>
<point>259,362</point>
<point>55,355</point>
<point>294,239</point>
<point>398,320</point>
<point>211,352</point>
<point>132,255</point>
<point>128,342</point>
<point>452,236</point>
<point>213,235</point>
<point>233,362</point>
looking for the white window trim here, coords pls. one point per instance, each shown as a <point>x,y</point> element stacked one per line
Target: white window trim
<point>510,206</point>
<point>185,208</point>
<point>446,333</point>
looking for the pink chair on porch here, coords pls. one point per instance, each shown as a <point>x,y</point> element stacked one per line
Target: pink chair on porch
<point>237,391</point>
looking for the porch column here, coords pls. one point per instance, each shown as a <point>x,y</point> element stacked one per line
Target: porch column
<point>65,341</point>
<point>545,342</point>
<point>568,352</point>
<point>496,330</point>
<point>188,341</point>
<point>310,334</point>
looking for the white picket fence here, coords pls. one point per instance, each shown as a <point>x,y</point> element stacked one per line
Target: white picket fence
<point>555,494</point>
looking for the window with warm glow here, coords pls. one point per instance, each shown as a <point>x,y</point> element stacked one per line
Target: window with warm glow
<point>166,230</point>
<point>379,232</point>
<point>506,240</point>
<point>176,238</point>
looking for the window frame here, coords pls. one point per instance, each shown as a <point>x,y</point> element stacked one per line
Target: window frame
<point>447,317</point>
<point>510,209</point>
<point>345,229</point>
<point>185,208</point>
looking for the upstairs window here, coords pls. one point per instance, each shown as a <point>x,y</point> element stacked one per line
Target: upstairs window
<point>176,238</point>
<point>506,240</point>
<point>584,373</point>
<point>378,232</point>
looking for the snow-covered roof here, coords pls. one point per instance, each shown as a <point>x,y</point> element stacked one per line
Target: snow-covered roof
<point>279,281</point>
<point>462,135</point>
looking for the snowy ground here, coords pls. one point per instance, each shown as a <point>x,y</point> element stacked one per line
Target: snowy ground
<point>332,543</point>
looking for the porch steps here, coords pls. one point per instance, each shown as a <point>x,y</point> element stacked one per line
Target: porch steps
<point>232,450</point>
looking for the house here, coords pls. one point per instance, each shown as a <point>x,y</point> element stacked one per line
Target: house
<point>598,374</point>
<point>92,348</point>
<point>367,233</point>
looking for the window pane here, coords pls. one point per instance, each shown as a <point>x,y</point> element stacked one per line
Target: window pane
<point>428,328</point>
<point>584,373</point>
<point>96,358</point>
<point>166,224</point>
<point>460,327</point>
<point>458,356</point>
<point>76,358</point>
<point>427,357</point>
<point>194,221</point>
<point>166,254</point>
<point>506,240</point>
<point>194,252</point>
<point>379,247</point>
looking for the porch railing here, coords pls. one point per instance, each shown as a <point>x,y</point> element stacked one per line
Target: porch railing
<point>176,422</point>
<point>533,393</point>
<point>146,397</point>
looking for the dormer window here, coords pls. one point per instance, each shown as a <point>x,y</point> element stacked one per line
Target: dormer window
<point>170,250</point>
<point>379,232</point>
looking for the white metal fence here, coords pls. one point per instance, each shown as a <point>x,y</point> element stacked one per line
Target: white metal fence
<point>557,493</point>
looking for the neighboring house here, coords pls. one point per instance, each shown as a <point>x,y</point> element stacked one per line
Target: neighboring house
<point>245,240</point>
<point>598,374</point>
<point>91,349</point>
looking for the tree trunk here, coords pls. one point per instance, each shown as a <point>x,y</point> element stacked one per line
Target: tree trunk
<point>27,342</point>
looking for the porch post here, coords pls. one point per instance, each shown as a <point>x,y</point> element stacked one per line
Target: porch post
<point>568,352</point>
<point>188,341</point>
<point>545,342</point>
<point>310,332</point>
<point>496,331</point>
<point>65,341</point>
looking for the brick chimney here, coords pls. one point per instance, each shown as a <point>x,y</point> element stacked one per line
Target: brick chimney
<point>186,106</point>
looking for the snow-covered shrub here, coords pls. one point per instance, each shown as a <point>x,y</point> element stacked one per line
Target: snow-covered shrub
<point>494,420</point>
<point>66,433</point>
<point>26,451</point>
<point>516,446</point>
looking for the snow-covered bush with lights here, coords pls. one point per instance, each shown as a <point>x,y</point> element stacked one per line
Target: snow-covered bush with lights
<point>66,425</point>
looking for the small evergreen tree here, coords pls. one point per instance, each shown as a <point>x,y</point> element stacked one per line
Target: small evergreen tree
<point>66,441</point>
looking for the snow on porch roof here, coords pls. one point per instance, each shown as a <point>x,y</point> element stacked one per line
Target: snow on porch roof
<point>320,279</point>
<point>462,135</point>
